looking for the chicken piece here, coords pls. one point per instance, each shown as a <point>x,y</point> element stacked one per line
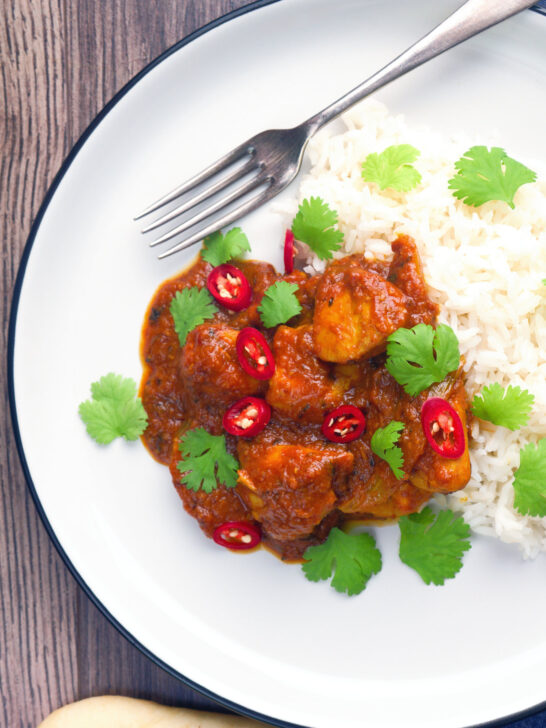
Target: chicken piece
<point>435,473</point>
<point>289,486</point>
<point>209,370</point>
<point>209,509</point>
<point>302,386</point>
<point>405,499</point>
<point>370,482</point>
<point>355,311</point>
<point>406,274</point>
<point>294,549</point>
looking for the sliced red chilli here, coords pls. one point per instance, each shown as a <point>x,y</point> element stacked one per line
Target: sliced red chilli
<point>443,428</point>
<point>229,287</point>
<point>247,417</point>
<point>344,424</point>
<point>237,535</point>
<point>254,354</point>
<point>289,252</point>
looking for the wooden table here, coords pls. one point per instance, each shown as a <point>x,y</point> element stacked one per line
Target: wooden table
<point>61,61</point>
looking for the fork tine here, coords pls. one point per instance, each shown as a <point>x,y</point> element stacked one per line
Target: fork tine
<point>201,177</point>
<point>228,218</point>
<point>224,182</point>
<point>211,209</point>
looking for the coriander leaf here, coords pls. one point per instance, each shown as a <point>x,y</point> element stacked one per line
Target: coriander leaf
<point>114,410</point>
<point>420,356</point>
<point>105,420</point>
<point>483,175</point>
<point>530,480</point>
<point>219,248</point>
<point>508,407</point>
<point>189,308</point>
<point>433,544</point>
<point>393,168</point>
<point>314,225</point>
<point>383,444</point>
<point>354,558</point>
<point>114,388</point>
<point>279,304</point>
<point>205,461</point>
<point>544,281</point>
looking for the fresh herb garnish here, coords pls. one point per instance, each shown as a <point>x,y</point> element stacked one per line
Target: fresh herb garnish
<point>392,168</point>
<point>353,557</point>
<point>508,407</point>
<point>314,225</point>
<point>383,444</point>
<point>433,544</point>
<point>219,248</point>
<point>483,175</point>
<point>205,461</point>
<point>420,356</point>
<point>530,480</point>
<point>279,304</point>
<point>189,308</point>
<point>114,410</point>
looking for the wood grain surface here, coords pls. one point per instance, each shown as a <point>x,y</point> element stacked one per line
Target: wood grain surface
<point>60,62</point>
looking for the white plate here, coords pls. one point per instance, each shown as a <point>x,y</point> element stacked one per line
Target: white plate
<point>249,628</point>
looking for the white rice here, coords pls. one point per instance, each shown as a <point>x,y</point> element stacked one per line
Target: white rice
<point>484,266</point>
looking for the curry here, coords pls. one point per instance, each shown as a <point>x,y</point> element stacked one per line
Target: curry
<point>298,403</point>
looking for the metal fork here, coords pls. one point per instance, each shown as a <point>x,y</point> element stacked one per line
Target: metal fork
<point>269,161</point>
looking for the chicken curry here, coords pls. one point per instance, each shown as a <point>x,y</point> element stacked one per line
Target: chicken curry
<point>298,403</point>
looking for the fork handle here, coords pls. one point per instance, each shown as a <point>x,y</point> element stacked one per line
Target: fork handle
<point>468,20</point>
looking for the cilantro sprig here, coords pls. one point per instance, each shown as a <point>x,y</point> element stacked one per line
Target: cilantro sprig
<point>508,407</point>
<point>205,461</point>
<point>189,308</point>
<point>530,480</point>
<point>279,304</point>
<point>114,410</point>
<point>420,356</point>
<point>393,168</point>
<point>383,444</point>
<point>433,544</point>
<point>314,225</point>
<point>488,174</point>
<point>353,557</point>
<point>218,248</point>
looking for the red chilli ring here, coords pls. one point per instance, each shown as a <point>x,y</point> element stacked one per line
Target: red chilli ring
<point>237,535</point>
<point>289,251</point>
<point>254,354</point>
<point>247,417</point>
<point>229,286</point>
<point>344,424</point>
<point>443,428</point>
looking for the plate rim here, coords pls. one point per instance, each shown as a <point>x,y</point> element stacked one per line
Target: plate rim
<point>540,8</point>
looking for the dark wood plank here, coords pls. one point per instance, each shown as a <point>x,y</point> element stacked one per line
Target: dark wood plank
<point>109,664</point>
<point>37,595</point>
